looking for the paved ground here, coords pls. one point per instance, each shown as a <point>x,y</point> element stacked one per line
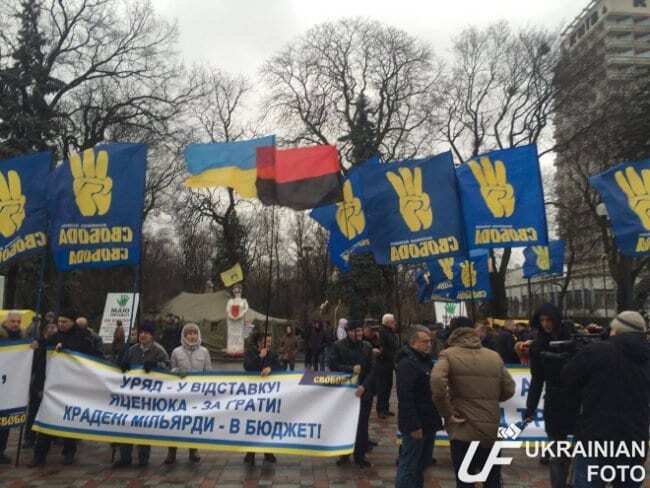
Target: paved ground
<point>93,469</point>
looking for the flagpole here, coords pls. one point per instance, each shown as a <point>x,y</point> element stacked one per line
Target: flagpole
<point>530,301</point>
<point>268,289</point>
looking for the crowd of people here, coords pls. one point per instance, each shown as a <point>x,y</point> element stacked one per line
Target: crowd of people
<point>452,378</point>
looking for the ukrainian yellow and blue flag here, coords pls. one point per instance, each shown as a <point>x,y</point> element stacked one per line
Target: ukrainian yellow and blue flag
<point>228,164</point>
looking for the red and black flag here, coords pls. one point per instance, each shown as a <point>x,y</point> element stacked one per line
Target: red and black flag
<point>300,178</point>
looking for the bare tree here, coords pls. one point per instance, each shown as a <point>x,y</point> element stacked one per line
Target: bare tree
<point>327,84</point>
<point>498,93</point>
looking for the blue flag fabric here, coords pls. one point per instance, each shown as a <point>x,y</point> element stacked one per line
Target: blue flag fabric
<point>239,154</point>
<point>95,203</point>
<point>23,205</point>
<point>346,220</point>
<point>456,278</point>
<point>625,191</point>
<point>412,210</point>
<point>503,199</point>
<point>544,260</point>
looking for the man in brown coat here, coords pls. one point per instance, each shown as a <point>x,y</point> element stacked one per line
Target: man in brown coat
<point>468,382</point>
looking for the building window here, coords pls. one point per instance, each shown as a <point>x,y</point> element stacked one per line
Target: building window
<point>641,3</point>
<point>588,299</point>
<point>577,298</point>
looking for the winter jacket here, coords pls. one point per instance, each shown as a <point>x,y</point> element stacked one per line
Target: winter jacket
<point>468,382</point>
<point>613,381</point>
<point>253,361</point>
<point>190,358</point>
<point>77,339</point>
<point>346,354</point>
<point>171,337</point>
<point>316,340</point>
<point>505,343</point>
<point>154,356</point>
<point>389,346</point>
<point>560,402</point>
<point>7,335</point>
<point>289,347</point>
<point>414,401</point>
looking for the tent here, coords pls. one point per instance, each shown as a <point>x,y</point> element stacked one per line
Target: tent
<point>209,307</point>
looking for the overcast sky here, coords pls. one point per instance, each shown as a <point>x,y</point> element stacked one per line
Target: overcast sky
<point>239,35</point>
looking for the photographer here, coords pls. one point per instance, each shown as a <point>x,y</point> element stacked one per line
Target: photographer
<point>560,403</point>
<point>613,381</point>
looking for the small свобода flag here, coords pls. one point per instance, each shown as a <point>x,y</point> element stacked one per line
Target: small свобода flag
<point>232,275</point>
<point>299,178</point>
<point>228,164</point>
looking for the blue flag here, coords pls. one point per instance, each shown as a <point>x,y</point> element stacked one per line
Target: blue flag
<point>95,203</point>
<point>346,220</point>
<point>456,278</point>
<point>23,205</point>
<point>544,260</point>
<point>625,191</point>
<point>503,199</point>
<point>412,210</point>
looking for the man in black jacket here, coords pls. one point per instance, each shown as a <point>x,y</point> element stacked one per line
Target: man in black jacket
<point>613,379</point>
<point>385,365</point>
<point>69,336</point>
<point>505,343</point>
<point>560,402</point>
<point>264,360</point>
<point>417,418</point>
<point>354,355</point>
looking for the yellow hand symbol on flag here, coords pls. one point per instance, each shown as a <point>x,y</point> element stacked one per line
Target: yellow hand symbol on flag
<point>447,265</point>
<point>543,257</point>
<point>12,204</point>
<point>637,189</point>
<point>91,184</point>
<point>349,216</point>
<point>414,204</point>
<point>468,274</point>
<point>497,193</point>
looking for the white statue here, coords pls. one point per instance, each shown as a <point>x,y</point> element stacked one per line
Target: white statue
<point>236,310</point>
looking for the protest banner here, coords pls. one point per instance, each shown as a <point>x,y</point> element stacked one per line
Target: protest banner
<point>285,413</point>
<point>95,205</point>
<point>15,372</point>
<point>118,306</point>
<point>503,199</point>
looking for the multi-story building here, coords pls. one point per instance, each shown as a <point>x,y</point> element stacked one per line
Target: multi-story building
<point>590,294</point>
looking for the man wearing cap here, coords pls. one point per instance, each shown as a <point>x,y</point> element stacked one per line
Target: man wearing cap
<point>149,355</point>
<point>353,355</point>
<point>71,337</point>
<point>613,380</point>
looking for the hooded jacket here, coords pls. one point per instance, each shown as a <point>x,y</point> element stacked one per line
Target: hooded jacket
<point>546,363</point>
<point>613,381</point>
<point>188,358</point>
<point>468,382</point>
<point>414,401</point>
